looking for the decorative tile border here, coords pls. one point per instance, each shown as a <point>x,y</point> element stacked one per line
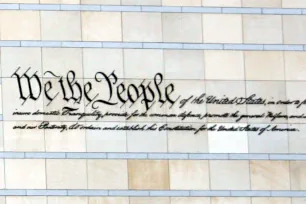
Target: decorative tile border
<point>153,45</point>
<point>160,9</point>
<point>151,156</point>
<point>153,193</point>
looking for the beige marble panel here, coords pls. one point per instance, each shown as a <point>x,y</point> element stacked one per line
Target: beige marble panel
<point>103,2</point>
<point>2,176</point>
<point>25,174</point>
<point>148,174</point>
<point>294,29</point>
<point>295,65</point>
<point>141,27</point>
<point>60,25</point>
<point>222,3</point>
<point>298,200</point>
<point>184,64</point>
<point>26,200</point>
<point>297,139</point>
<point>262,29</point>
<point>62,60</point>
<point>21,29</point>
<point>23,58</point>
<point>295,91</point>
<point>188,200</point>
<point>229,175</point>
<point>149,200</point>
<point>143,63</point>
<point>215,26</point>
<point>108,200</point>
<point>141,2</point>
<point>189,175</point>
<point>23,140</point>
<point>182,3</point>
<point>107,174</point>
<point>262,3</point>
<point>271,200</point>
<point>226,200</point>
<point>59,1</point>
<point>67,200</point>
<point>298,175</point>
<point>102,60</point>
<point>294,4</point>
<point>264,65</point>
<point>101,26</point>
<point>182,27</point>
<point>66,174</point>
<point>224,65</point>
<point>270,175</point>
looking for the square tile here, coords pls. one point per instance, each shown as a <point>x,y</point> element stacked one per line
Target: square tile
<point>295,93</point>
<point>295,66</point>
<point>109,141</point>
<point>264,65</point>
<point>189,175</point>
<point>262,3</point>
<point>276,92</point>
<point>182,27</point>
<point>270,175</point>
<point>150,141</point>
<point>221,89</point>
<point>67,200</point>
<point>184,64</point>
<point>141,2</point>
<point>108,200</point>
<point>222,3</point>
<point>215,25</point>
<point>227,141</point>
<point>27,140</point>
<point>21,29</point>
<point>294,4</point>
<point>182,3</point>
<point>224,65</point>
<point>62,60</point>
<point>149,200</point>
<point>262,29</point>
<point>107,174</point>
<point>229,175</point>
<point>141,27</point>
<point>101,26</point>
<point>269,142</point>
<point>61,25</point>
<point>23,58</point>
<point>297,139</point>
<point>143,64</point>
<point>187,141</point>
<point>271,200</point>
<point>225,200</point>
<point>26,200</point>
<point>111,59</point>
<point>297,175</point>
<point>25,174</point>
<point>148,174</point>
<point>294,31</point>
<point>188,200</point>
<point>66,174</point>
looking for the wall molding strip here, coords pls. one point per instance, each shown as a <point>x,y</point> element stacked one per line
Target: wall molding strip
<point>153,45</point>
<point>151,156</point>
<point>159,9</point>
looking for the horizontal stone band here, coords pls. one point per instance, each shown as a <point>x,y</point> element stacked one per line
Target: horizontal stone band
<point>150,156</point>
<point>168,9</point>
<point>141,193</point>
<point>142,45</point>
